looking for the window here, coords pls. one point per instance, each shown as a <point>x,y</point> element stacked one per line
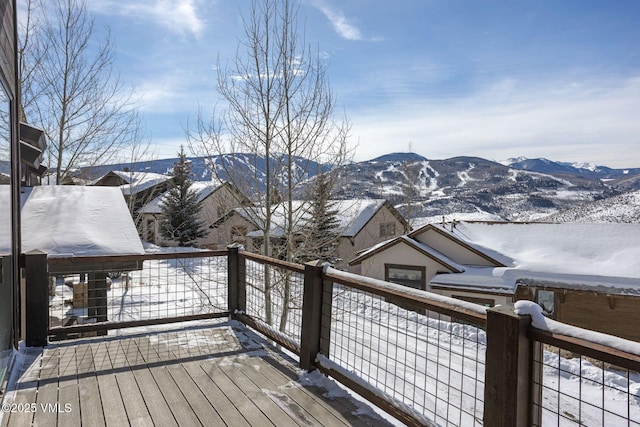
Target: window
<point>487,302</point>
<point>408,275</point>
<point>547,300</point>
<point>387,229</point>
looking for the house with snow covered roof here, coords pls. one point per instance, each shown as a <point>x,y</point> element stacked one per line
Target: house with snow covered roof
<point>582,274</point>
<point>363,222</point>
<point>217,199</point>
<point>138,188</point>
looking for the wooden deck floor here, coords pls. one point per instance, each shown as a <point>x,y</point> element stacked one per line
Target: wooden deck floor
<point>213,376</point>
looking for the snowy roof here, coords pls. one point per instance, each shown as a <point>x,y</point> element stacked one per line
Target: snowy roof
<point>354,215</point>
<point>134,182</point>
<point>569,248</point>
<point>563,255</point>
<point>73,220</point>
<point>203,188</point>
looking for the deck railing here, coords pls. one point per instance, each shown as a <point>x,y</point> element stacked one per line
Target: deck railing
<point>581,382</point>
<point>425,359</point>
<point>89,295</point>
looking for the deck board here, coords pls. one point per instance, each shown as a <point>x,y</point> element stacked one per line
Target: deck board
<point>196,400</point>
<point>114,411</point>
<point>219,401</point>
<point>134,404</point>
<point>211,374</point>
<point>262,400</point>
<point>69,396</point>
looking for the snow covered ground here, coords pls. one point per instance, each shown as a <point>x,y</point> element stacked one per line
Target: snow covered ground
<point>431,364</point>
<point>164,288</point>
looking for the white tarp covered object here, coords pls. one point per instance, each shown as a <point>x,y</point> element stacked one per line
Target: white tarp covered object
<point>72,220</point>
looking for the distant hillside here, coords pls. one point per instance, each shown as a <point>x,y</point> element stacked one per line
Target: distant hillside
<point>626,178</point>
<point>458,188</point>
<point>468,187</point>
<point>245,164</point>
<point>623,208</point>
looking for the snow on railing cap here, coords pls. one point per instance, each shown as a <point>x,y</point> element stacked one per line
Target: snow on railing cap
<point>539,321</point>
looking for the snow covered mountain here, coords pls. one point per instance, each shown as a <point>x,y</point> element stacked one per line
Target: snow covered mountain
<point>618,177</point>
<point>469,188</point>
<point>464,188</point>
<point>202,168</point>
<point>623,208</point>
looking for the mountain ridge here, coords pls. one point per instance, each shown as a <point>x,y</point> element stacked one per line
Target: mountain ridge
<point>426,190</point>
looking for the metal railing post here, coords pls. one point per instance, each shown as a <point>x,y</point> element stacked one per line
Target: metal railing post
<point>508,369</point>
<point>312,297</point>
<point>237,292</point>
<point>36,299</point>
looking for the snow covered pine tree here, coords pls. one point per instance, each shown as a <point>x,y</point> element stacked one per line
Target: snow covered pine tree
<point>181,207</point>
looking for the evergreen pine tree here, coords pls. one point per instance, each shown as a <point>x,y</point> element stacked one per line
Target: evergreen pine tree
<point>181,207</point>
<point>321,228</point>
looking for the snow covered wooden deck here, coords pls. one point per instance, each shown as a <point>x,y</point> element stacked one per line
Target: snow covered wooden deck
<point>213,374</point>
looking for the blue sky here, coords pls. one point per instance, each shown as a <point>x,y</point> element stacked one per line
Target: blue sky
<point>490,78</point>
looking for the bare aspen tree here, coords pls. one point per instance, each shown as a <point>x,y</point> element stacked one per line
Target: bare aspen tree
<point>70,87</point>
<point>280,108</point>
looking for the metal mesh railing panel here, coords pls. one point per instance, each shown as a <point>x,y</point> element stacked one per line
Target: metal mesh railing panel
<point>424,359</point>
<point>160,288</point>
<point>575,390</point>
<point>274,297</point>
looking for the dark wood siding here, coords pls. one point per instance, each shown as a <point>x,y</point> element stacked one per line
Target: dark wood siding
<point>7,54</point>
<point>616,315</point>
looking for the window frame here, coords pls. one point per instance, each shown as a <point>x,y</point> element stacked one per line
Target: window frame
<point>420,268</point>
<point>384,229</point>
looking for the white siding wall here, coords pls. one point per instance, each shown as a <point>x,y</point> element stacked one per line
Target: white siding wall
<point>400,254</point>
<point>452,249</point>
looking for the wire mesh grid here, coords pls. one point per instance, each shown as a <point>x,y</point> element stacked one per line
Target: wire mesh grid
<point>274,296</point>
<point>421,358</point>
<point>157,288</point>
<point>574,390</point>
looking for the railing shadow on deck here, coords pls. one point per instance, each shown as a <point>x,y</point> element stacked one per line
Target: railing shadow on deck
<point>423,358</point>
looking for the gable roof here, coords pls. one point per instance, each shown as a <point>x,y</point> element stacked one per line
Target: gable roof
<point>203,189</point>
<point>423,249</point>
<point>354,215</point>
<point>567,248</point>
<point>73,220</point>
<point>567,255</point>
<point>495,258</point>
<point>134,182</point>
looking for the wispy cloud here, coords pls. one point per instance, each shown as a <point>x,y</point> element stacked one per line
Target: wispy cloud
<point>592,122</point>
<point>178,16</point>
<point>341,23</point>
<point>171,91</point>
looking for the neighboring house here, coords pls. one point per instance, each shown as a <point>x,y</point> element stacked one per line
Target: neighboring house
<point>217,199</point>
<point>138,188</point>
<point>363,222</point>
<point>582,274</point>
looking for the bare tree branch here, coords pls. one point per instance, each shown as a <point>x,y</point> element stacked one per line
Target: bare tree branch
<point>71,88</point>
